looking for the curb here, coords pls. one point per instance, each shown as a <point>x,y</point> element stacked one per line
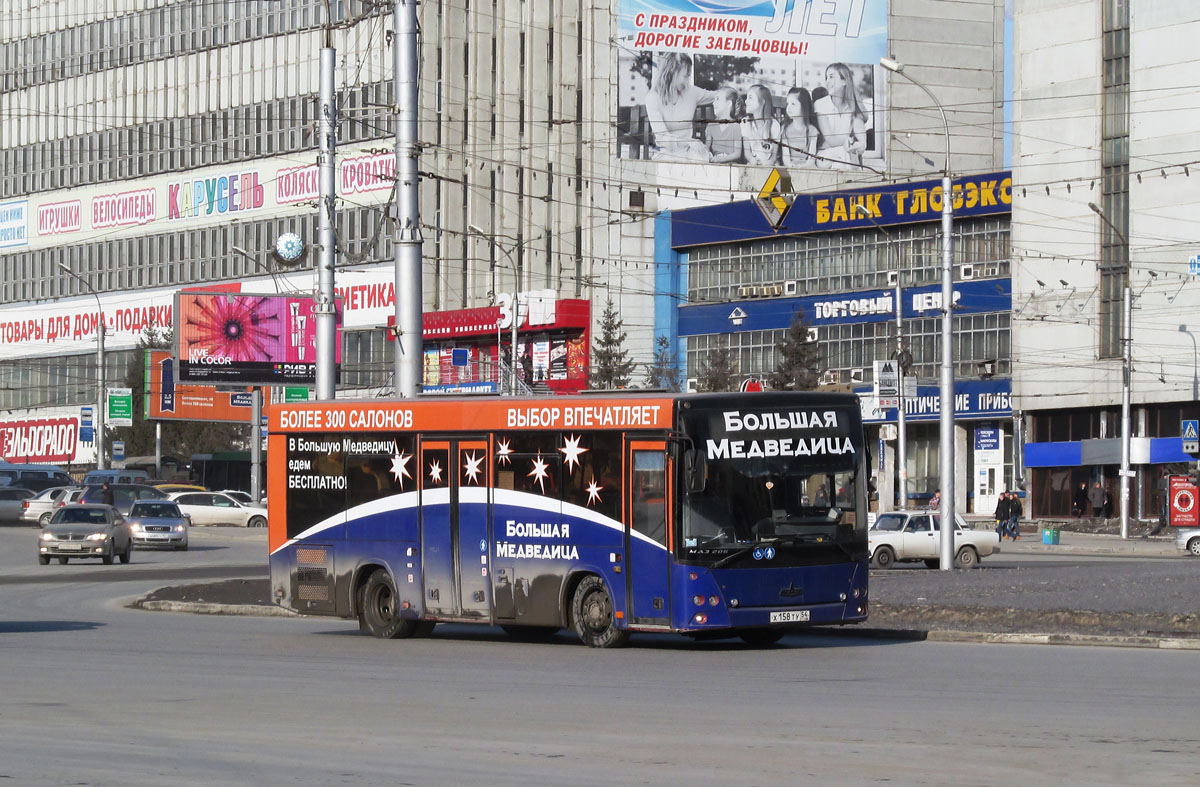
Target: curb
<point>202,608</point>
<point>913,635</point>
<point>994,638</point>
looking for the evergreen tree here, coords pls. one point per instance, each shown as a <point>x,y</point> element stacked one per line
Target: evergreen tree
<point>611,366</point>
<point>718,372</point>
<point>664,371</point>
<point>798,367</point>
<point>179,438</point>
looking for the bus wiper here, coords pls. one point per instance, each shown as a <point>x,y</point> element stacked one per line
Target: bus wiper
<point>765,542</point>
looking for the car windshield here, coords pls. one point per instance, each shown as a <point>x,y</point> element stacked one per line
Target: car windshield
<point>155,509</point>
<point>92,516</point>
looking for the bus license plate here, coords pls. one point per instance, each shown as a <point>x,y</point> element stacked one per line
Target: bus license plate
<point>792,616</point>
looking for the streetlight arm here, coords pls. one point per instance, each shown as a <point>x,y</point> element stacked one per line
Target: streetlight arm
<point>897,67</point>
<point>100,371</point>
<point>1096,209</point>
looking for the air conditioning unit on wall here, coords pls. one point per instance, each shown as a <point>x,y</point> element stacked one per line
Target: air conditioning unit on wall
<point>857,375</point>
<point>892,278</point>
<point>966,271</point>
<point>830,377</point>
<point>691,385</point>
<point>790,287</point>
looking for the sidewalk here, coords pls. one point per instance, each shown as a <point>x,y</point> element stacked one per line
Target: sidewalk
<point>1091,544</point>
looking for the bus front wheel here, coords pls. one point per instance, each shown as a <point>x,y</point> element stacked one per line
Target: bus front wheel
<point>380,608</point>
<point>592,614</point>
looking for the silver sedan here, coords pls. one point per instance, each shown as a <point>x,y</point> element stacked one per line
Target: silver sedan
<point>86,531</point>
<point>1188,540</point>
<point>159,523</point>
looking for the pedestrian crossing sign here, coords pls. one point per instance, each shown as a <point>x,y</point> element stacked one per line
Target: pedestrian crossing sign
<point>1190,430</point>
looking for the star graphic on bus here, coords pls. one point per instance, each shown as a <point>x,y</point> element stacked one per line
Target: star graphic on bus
<point>503,450</point>
<point>593,491</point>
<point>571,451</point>
<point>435,472</point>
<point>539,473</point>
<point>471,468</point>
<point>400,462</point>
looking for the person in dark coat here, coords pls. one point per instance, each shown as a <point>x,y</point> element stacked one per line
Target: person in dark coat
<point>1095,497</point>
<point>1001,515</point>
<point>1079,504</point>
<point>1108,504</point>
<point>1014,516</point>
<point>106,494</point>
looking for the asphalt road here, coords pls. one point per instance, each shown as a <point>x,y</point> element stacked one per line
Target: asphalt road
<point>93,692</point>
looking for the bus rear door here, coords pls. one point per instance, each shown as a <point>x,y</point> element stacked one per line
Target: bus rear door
<point>454,511</point>
<point>647,531</point>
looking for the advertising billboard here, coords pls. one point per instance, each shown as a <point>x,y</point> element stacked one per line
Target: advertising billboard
<point>168,399</point>
<point>233,337</point>
<point>753,82</point>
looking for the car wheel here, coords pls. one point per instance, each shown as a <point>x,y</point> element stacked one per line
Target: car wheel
<point>761,637</point>
<point>44,519</point>
<point>592,614</point>
<point>1194,546</point>
<point>932,562</point>
<point>62,561</point>
<point>128,553</point>
<point>967,558</point>
<point>883,558</point>
<point>44,560</point>
<point>257,521</point>
<point>380,610</point>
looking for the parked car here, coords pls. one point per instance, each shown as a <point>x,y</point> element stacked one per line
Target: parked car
<point>916,535</point>
<point>170,486</point>
<point>86,531</point>
<point>1188,540</point>
<point>98,477</point>
<point>215,508</point>
<point>239,495</point>
<point>159,523</point>
<point>12,502</point>
<point>38,509</point>
<point>34,477</point>
<point>123,495</point>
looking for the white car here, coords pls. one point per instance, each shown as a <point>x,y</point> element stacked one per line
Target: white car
<point>215,508</point>
<point>1188,540</point>
<point>38,510</point>
<point>916,535</point>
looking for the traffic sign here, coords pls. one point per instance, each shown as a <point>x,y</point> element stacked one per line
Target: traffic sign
<point>887,383</point>
<point>1194,263</point>
<point>1190,432</point>
<point>120,407</point>
<point>118,450</point>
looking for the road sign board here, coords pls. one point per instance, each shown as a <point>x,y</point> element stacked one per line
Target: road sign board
<point>1194,263</point>
<point>120,407</point>
<point>1183,494</point>
<point>1190,432</point>
<point>118,450</point>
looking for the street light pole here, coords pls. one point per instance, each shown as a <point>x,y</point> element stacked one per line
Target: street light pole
<point>901,417</point>
<point>946,396</point>
<point>101,380</point>
<point>1127,371</point>
<point>516,303</point>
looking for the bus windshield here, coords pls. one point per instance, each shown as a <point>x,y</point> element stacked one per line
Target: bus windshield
<point>787,481</point>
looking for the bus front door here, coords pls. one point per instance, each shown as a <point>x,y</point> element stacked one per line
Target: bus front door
<point>454,527</point>
<point>647,532</point>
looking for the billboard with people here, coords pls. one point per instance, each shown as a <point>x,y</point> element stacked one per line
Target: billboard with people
<point>753,82</point>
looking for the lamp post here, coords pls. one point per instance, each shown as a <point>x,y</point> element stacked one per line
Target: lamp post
<point>1127,372</point>
<point>1195,373</point>
<point>101,382</point>
<point>901,418</point>
<point>946,397</point>
<point>516,304</point>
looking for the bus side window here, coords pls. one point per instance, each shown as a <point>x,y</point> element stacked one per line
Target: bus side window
<point>649,495</point>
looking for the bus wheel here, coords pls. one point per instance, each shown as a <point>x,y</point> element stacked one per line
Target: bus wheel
<point>884,557</point>
<point>530,633</point>
<point>380,611</point>
<point>592,613</point>
<point>761,637</point>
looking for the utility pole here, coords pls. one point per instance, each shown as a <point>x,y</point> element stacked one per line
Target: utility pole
<point>324,310</point>
<point>408,327</point>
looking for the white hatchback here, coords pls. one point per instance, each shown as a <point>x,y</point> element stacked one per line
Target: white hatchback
<point>1188,540</point>
<point>215,508</point>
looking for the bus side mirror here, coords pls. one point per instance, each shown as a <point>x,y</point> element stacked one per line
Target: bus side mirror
<point>695,470</point>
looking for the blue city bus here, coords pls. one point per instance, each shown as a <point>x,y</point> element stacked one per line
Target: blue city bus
<point>702,514</point>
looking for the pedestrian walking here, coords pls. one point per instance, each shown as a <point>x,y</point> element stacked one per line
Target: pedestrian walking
<point>935,502</point>
<point>106,494</point>
<point>1108,504</point>
<point>1001,515</point>
<point>1079,504</point>
<point>1014,516</point>
<point>1095,498</point>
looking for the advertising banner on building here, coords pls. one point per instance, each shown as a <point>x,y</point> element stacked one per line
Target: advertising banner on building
<point>51,440</point>
<point>755,82</point>
<point>230,337</point>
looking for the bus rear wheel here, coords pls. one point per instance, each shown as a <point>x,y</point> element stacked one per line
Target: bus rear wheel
<point>380,609</point>
<point>592,614</point>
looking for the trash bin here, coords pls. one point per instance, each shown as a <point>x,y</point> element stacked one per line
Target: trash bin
<point>1050,536</point>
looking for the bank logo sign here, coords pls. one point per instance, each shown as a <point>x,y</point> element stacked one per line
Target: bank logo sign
<point>775,198</point>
